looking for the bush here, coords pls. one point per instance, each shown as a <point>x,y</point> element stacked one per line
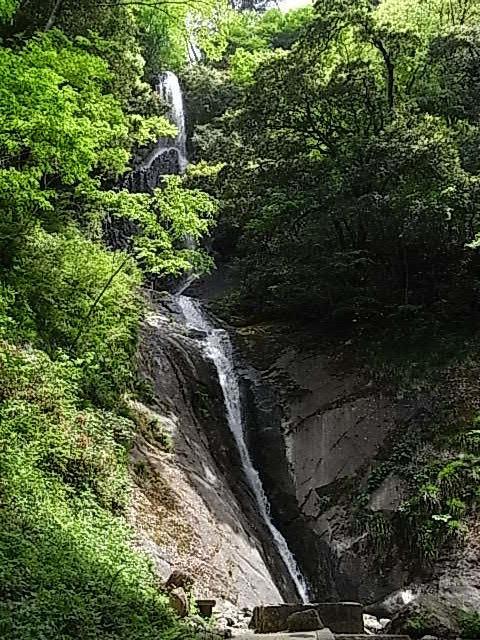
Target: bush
<point>469,624</point>
<point>67,301</point>
<point>66,566</point>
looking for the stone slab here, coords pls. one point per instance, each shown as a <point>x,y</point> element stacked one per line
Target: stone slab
<point>340,617</point>
<point>365,636</point>
<point>297,635</point>
<point>315,635</point>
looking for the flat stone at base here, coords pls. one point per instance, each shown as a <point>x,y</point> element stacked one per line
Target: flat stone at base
<point>340,617</point>
<point>307,620</point>
<point>284,635</point>
<point>322,634</point>
<point>364,636</point>
<point>205,607</point>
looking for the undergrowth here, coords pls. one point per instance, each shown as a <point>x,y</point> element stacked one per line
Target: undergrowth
<point>469,624</point>
<point>67,568</point>
<point>442,494</point>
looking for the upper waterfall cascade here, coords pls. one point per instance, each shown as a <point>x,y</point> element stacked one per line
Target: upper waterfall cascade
<point>218,348</point>
<point>168,87</point>
<point>169,155</point>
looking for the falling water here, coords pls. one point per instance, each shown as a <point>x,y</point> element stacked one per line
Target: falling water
<point>219,349</point>
<point>168,87</point>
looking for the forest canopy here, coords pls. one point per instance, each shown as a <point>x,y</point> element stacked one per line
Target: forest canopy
<point>350,187</point>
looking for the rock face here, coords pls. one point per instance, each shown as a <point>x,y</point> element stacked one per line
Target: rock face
<point>322,427</point>
<point>318,428</point>
<point>426,616</point>
<point>191,508</point>
<point>179,579</point>
<point>179,602</point>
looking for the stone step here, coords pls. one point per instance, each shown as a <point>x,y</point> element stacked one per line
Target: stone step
<point>315,635</point>
<point>284,635</point>
<point>365,636</point>
<point>340,617</point>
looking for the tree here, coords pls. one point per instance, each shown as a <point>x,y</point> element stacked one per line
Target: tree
<point>349,201</point>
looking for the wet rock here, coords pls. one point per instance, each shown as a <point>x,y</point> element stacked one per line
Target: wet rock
<point>194,505</point>
<point>314,429</point>
<point>179,579</point>
<point>324,634</point>
<point>179,602</point>
<point>389,495</point>
<point>392,604</point>
<point>308,620</point>
<point>371,623</point>
<point>427,615</point>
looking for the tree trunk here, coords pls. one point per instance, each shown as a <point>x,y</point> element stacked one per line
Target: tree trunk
<point>390,72</point>
<point>53,15</point>
<point>97,300</point>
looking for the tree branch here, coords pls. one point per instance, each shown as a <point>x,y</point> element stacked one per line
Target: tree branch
<point>53,15</point>
<point>390,71</point>
<point>97,300</point>
<point>150,3</point>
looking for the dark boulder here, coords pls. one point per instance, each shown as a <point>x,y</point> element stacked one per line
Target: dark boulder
<point>427,615</point>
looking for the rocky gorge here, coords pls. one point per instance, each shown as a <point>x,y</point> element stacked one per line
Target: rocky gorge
<point>316,428</point>
<point>192,508</point>
<point>276,466</point>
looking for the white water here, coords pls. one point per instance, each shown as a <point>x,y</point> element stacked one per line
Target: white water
<point>168,87</point>
<point>219,349</point>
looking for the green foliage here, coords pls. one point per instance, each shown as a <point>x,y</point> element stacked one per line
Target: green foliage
<point>58,279</point>
<point>168,33</point>
<point>416,623</point>
<point>171,219</point>
<point>74,108</point>
<point>58,127</point>
<point>66,568</point>
<point>469,624</point>
<point>351,194</point>
<point>209,93</point>
<point>7,9</point>
<point>251,31</point>
<point>234,45</point>
<point>164,36</point>
<point>443,494</point>
<point>244,65</point>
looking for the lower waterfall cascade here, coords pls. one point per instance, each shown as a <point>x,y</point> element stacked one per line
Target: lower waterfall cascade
<point>218,348</point>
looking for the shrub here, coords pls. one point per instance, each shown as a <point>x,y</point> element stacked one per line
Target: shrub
<point>66,566</point>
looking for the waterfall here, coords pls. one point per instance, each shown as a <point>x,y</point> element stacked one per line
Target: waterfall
<point>218,348</point>
<point>169,155</point>
<point>168,87</point>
